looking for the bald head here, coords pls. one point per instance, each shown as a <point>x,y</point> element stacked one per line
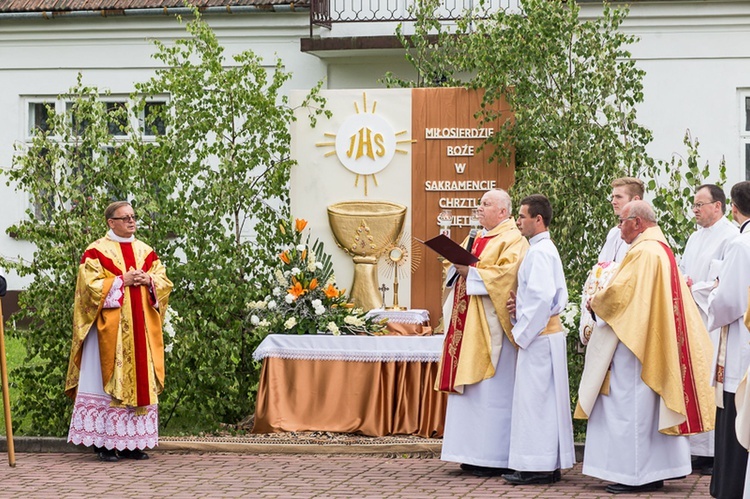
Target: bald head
<point>635,218</point>
<point>494,208</point>
<point>642,210</point>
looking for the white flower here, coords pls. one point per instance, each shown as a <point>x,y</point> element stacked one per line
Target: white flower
<point>287,273</point>
<point>264,323</point>
<point>301,247</point>
<point>320,310</point>
<point>289,298</point>
<point>354,320</point>
<point>271,304</point>
<point>290,323</point>
<point>318,265</point>
<point>167,326</point>
<point>295,271</point>
<point>276,291</point>
<point>316,303</point>
<point>168,348</point>
<point>254,320</point>
<point>280,278</point>
<point>311,266</point>
<point>332,327</point>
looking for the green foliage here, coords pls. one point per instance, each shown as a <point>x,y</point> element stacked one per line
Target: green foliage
<point>304,298</point>
<point>573,89</point>
<point>673,184</point>
<point>218,171</point>
<point>71,176</point>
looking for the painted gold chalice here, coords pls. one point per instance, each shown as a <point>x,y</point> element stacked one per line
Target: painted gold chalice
<point>364,229</point>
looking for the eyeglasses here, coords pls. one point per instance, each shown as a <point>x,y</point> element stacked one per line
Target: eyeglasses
<point>698,206</point>
<point>129,218</point>
<point>622,220</point>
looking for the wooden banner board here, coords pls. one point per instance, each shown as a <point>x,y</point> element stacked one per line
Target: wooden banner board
<point>449,172</point>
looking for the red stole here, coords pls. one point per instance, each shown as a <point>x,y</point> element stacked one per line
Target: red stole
<point>455,334</point>
<point>693,422</point>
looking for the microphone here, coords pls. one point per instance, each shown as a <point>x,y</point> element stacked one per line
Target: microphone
<point>469,244</point>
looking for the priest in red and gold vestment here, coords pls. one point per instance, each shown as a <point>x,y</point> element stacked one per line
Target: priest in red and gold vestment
<point>478,364</point>
<point>116,367</point>
<point>656,389</point>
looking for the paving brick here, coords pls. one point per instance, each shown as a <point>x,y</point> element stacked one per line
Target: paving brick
<point>180,475</point>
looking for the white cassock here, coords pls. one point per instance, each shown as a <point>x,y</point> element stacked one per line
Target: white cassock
<point>727,304</point>
<point>614,247</point>
<point>541,427</point>
<point>477,423</point>
<point>623,443</point>
<point>701,262</point>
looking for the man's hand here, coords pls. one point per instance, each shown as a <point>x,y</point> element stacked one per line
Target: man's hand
<point>689,281</point>
<point>136,278</point>
<point>511,304</point>
<point>462,270</point>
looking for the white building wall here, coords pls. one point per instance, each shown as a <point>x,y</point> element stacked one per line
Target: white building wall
<point>42,58</point>
<point>697,61</point>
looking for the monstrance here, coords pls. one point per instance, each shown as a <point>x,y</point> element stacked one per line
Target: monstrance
<point>400,256</point>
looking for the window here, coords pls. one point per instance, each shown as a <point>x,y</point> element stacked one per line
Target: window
<point>153,121</point>
<point>121,120</point>
<point>39,114</point>
<point>745,132</point>
<point>118,120</point>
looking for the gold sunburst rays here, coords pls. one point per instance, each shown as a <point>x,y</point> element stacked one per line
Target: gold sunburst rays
<point>365,143</point>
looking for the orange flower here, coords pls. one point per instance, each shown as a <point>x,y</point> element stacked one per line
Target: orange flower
<point>297,290</point>
<point>300,224</point>
<point>285,257</point>
<point>304,255</point>
<point>313,284</point>
<point>331,291</point>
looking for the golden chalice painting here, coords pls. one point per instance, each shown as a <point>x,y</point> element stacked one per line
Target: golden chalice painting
<point>364,229</point>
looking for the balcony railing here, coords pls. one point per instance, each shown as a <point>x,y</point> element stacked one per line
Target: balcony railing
<point>327,12</point>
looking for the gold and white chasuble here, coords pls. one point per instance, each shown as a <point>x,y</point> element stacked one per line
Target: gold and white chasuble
<point>472,344</point>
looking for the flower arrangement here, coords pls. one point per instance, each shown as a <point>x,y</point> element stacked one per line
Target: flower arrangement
<point>304,297</point>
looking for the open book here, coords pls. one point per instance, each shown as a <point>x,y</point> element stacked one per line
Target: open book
<point>451,251</point>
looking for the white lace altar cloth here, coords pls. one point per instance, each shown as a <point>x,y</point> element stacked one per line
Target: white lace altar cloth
<point>94,422</point>
<point>351,348</point>
<point>411,316</point>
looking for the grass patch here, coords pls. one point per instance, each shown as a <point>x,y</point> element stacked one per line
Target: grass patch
<point>16,354</point>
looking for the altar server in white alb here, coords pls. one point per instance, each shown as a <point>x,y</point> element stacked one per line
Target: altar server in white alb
<point>541,438</point>
<point>652,367</point>
<point>727,304</point>
<point>624,190</point>
<point>478,364</point>
<point>700,264</point>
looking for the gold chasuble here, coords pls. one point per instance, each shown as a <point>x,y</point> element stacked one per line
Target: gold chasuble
<point>650,309</point>
<point>131,346</point>
<point>477,323</point>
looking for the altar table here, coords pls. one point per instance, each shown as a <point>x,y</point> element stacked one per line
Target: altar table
<point>373,385</point>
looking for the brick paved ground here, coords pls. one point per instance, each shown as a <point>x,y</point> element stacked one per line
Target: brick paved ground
<point>179,475</point>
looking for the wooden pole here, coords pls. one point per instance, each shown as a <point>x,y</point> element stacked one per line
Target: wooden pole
<point>6,395</point>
